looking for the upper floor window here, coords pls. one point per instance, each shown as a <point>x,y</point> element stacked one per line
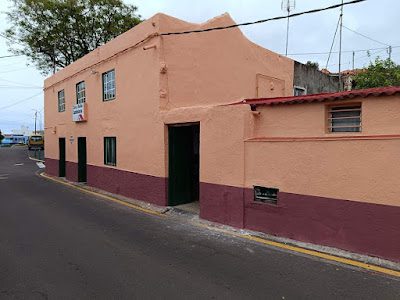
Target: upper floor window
<point>345,118</point>
<point>80,92</point>
<point>61,101</point>
<point>109,85</point>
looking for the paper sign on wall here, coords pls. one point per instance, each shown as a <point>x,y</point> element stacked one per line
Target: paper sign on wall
<point>79,112</point>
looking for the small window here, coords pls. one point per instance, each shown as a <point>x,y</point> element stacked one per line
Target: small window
<point>299,91</point>
<point>80,92</point>
<point>266,195</point>
<point>109,85</point>
<point>345,118</point>
<point>110,151</point>
<point>61,101</point>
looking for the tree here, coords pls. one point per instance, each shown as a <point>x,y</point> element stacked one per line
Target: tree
<point>311,64</point>
<point>1,137</point>
<point>55,33</point>
<point>379,73</point>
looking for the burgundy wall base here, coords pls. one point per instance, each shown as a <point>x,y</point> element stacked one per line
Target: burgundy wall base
<point>360,227</point>
<point>71,171</point>
<point>222,204</point>
<point>51,166</point>
<point>138,186</point>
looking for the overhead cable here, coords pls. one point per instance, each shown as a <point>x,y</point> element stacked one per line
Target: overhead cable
<point>367,37</point>
<point>333,42</point>
<point>20,101</point>
<point>345,51</point>
<point>14,55</point>
<point>264,20</point>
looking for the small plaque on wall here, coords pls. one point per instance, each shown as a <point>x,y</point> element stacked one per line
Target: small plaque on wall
<point>265,194</point>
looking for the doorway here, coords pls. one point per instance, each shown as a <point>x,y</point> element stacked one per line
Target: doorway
<point>61,160</point>
<point>81,159</point>
<point>183,163</point>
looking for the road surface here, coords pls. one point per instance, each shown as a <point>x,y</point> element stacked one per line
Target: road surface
<point>59,243</point>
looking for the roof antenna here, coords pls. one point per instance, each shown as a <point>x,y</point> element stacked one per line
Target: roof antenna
<point>288,6</point>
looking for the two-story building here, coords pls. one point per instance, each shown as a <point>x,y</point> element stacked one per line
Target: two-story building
<point>156,117</point>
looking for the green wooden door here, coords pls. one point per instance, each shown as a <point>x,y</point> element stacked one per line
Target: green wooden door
<point>81,159</point>
<point>183,166</point>
<point>61,161</point>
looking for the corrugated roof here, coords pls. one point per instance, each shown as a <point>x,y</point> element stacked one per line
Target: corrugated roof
<point>383,91</point>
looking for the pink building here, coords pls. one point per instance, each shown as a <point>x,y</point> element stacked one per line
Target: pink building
<point>157,118</point>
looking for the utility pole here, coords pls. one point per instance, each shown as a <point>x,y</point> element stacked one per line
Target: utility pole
<point>35,120</point>
<point>353,59</point>
<point>287,5</point>
<point>340,47</point>
<point>390,52</point>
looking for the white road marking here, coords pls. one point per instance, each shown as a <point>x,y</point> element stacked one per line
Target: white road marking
<point>19,164</point>
<point>40,165</point>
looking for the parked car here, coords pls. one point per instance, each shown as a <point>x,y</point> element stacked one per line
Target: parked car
<point>36,142</point>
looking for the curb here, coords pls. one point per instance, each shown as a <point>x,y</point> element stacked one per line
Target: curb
<point>35,159</point>
<point>323,252</point>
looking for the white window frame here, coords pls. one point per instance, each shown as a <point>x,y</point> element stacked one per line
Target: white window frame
<point>304,90</point>
<point>80,92</point>
<point>109,85</point>
<point>61,100</point>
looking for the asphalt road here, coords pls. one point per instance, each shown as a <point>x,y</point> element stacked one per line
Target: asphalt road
<point>59,243</point>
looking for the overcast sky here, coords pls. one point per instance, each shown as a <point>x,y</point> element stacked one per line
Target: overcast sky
<point>377,19</point>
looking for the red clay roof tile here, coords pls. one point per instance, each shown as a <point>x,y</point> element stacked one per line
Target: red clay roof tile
<point>382,91</point>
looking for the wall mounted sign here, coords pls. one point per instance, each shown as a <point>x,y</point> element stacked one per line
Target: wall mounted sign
<point>79,112</point>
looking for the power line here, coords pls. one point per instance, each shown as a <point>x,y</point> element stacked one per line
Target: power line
<point>333,42</point>
<point>20,101</point>
<point>19,84</point>
<point>264,20</point>
<point>15,70</point>
<point>7,56</point>
<point>18,87</point>
<point>345,51</point>
<point>367,37</point>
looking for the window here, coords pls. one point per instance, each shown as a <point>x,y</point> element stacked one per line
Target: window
<point>110,151</point>
<point>299,91</point>
<point>36,138</point>
<point>345,118</point>
<point>265,194</point>
<point>80,92</point>
<point>109,85</point>
<point>61,101</point>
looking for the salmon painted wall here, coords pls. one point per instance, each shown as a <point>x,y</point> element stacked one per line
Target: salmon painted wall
<point>131,116</point>
<point>218,66</point>
<point>325,164</point>
<point>176,72</point>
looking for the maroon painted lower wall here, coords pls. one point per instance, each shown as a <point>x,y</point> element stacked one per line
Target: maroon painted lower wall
<point>51,166</point>
<point>71,171</point>
<point>366,228</point>
<point>138,186</point>
<point>222,204</point>
<point>359,227</point>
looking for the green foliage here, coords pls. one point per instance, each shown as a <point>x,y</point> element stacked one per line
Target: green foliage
<point>379,73</point>
<point>61,31</point>
<point>311,64</point>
